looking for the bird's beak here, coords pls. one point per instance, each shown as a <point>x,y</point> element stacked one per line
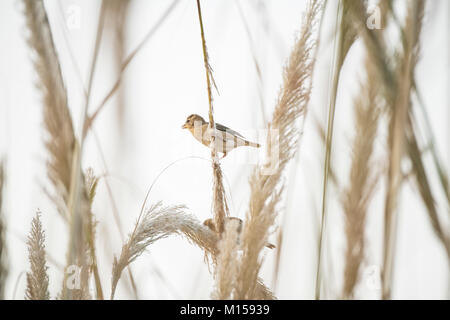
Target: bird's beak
<point>183,126</point>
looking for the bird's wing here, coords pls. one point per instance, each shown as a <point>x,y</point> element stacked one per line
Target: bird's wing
<point>228,130</point>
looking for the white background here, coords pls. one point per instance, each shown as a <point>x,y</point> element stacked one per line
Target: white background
<point>161,87</point>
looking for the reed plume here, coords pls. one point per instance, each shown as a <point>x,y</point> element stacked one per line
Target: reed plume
<point>220,206</point>
<point>91,182</point>
<point>157,223</point>
<point>411,42</point>
<point>397,75</point>
<point>267,187</point>
<point>37,278</point>
<point>227,268</point>
<point>116,21</point>
<point>60,140</point>
<point>362,179</point>
<point>63,167</point>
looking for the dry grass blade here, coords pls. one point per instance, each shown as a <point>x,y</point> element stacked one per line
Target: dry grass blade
<point>3,267</point>
<point>37,278</point>
<point>267,187</point>
<point>331,176</point>
<point>345,37</point>
<point>159,222</point>
<point>220,204</point>
<point>374,42</point>
<point>362,180</point>
<point>411,34</point>
<point>219,198</point>
<point>63,166</point>
<point>91,182</point>
<point>397,129</point>
<point>58,123</point>
<point>425,188</point>
<point>65,152</point>
<point>81,250</point>
<point>441,171</point>
<point>116,18</point>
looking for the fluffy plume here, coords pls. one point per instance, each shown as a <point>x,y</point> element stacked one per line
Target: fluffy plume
<point>362,180</point>
<point>226,269</point>
<point>398,83</point>
<point>401,104</point>
<point>159,222</point>
<point>63,166</point>
<point>37,278</point>
<point>57,120</point>
<point>116,21</point>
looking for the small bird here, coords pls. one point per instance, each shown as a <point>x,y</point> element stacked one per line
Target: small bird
<point>211,225</point>
<point>225,138</point>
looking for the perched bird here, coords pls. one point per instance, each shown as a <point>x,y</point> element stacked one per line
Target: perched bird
<point>211,225</point>
<point>225,138</point>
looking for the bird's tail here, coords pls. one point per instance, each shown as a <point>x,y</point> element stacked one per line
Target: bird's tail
<point>252,144</point>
